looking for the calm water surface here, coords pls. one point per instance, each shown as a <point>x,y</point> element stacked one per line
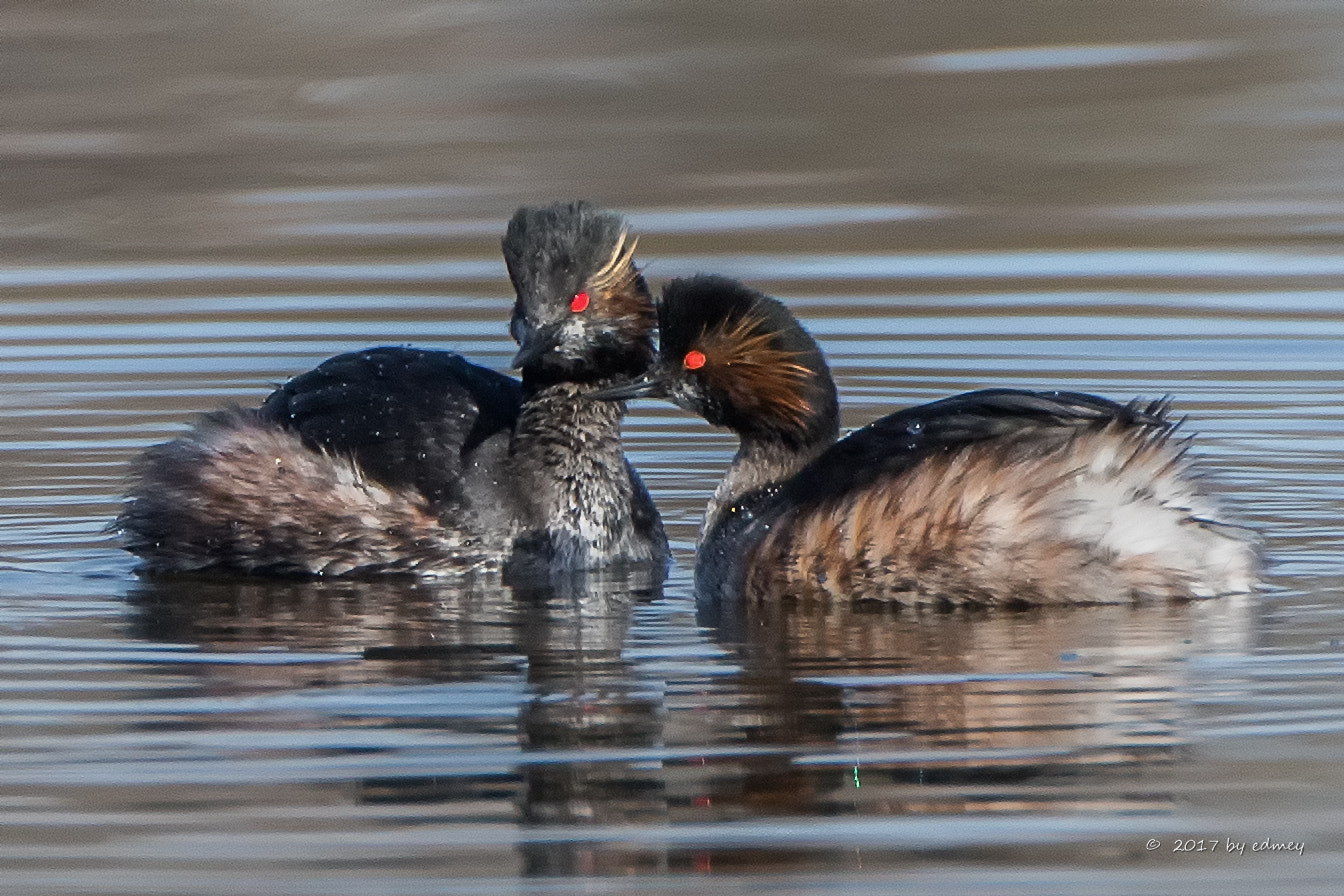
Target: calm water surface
<point>200,200</point>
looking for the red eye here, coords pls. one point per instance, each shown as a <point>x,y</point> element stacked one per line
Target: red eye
<point>580,302</point>
<point>694,360</point>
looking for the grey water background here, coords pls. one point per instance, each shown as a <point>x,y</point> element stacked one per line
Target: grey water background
<point>198,200</point>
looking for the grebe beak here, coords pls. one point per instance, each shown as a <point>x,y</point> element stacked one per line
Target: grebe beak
<point>643,387</point>
<point>534,344</point>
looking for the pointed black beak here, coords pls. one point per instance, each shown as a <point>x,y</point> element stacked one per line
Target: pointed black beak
<point>534,344</point>
<point>644,387</point>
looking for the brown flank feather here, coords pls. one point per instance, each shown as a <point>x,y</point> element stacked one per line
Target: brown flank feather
<point>973,527</point>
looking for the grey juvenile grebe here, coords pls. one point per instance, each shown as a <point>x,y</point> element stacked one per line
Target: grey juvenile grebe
<point>406,460</point>
<point>993,497</point>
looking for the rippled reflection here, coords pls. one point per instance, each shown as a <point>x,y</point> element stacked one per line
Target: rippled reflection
<point>558,650</point>
<point>825,711</point>
<point>973,702</point>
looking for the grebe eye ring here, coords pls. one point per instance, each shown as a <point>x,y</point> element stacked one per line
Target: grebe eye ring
<point>580,302</point>
<point>694,360</point>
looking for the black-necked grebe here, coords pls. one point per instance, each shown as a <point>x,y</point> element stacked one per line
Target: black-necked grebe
<point>407,460</point>
<point>995,497</point>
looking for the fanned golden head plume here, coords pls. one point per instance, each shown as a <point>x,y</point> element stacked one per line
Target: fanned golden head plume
<point>746,361</point>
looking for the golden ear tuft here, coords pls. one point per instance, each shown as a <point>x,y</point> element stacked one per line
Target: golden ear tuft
<point>620,268</point>
<point>742,359</point>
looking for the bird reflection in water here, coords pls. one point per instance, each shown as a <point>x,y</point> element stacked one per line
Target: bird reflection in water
<point>556,649</point>
<point>813,709</point>
<point>894,711</point>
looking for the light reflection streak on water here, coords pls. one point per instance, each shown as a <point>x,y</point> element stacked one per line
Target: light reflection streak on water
<point>1168,264</point>
<point>1173,265</point>
<point>188,273</point>
<point>1055,57</point>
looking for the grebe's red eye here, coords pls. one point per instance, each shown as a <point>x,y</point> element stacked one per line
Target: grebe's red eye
<point>694,360</point>
<point>580,302</point>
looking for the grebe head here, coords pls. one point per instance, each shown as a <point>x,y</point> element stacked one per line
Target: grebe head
<point>739,359</point>
<point>583,310</point>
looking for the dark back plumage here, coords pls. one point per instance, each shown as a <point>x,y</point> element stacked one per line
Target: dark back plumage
<point>899,441</point>
<point>408,417</point>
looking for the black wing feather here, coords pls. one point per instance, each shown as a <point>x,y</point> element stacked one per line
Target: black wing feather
<point>901,440</point>
<point>407,416</point>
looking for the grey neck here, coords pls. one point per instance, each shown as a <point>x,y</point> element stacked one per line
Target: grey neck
<point>572,445</point>
<point>573,477</point>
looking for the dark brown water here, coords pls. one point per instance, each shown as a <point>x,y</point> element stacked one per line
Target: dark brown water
<point>199,200</point>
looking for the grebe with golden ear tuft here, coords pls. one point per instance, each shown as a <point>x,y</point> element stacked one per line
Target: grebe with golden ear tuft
<point>996,497</point>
